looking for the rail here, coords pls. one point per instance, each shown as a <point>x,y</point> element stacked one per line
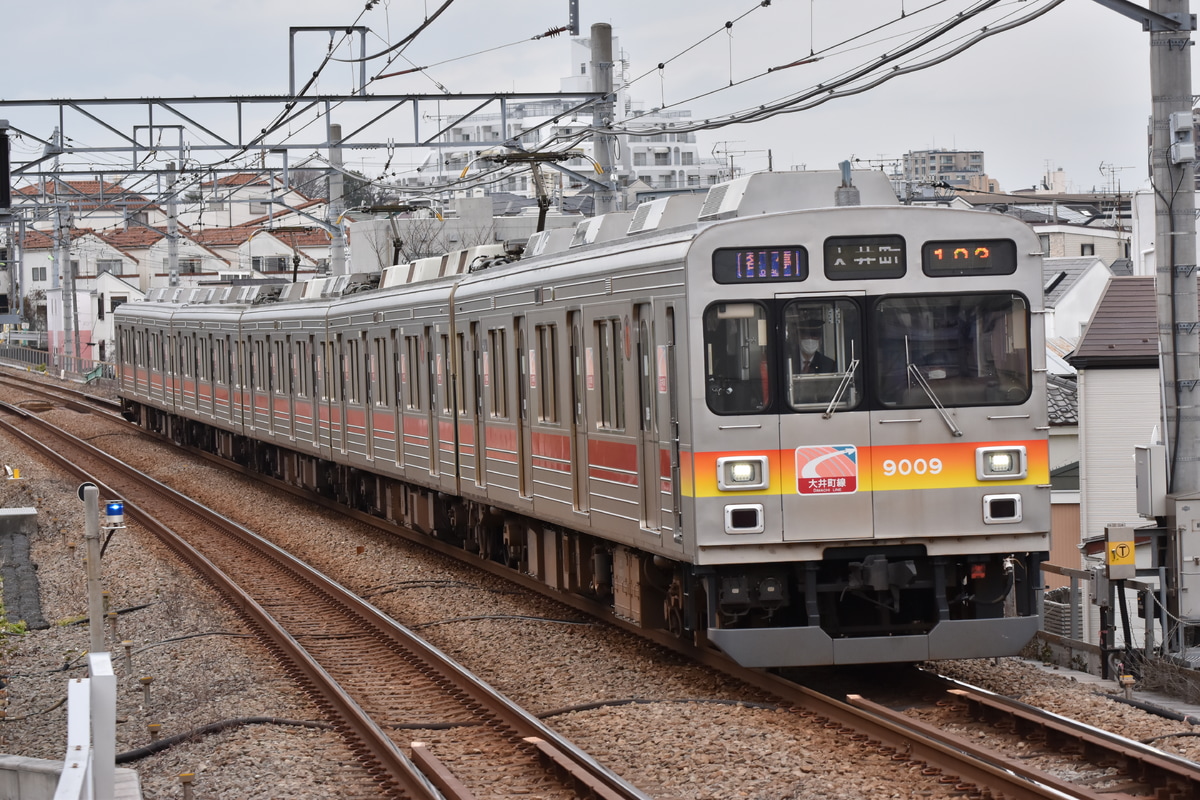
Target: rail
<point>329,671</point>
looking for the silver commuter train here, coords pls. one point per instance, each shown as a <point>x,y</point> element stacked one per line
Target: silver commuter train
<point>808,434</point>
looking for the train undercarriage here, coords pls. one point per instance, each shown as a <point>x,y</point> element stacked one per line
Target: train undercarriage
<point>859,604</point>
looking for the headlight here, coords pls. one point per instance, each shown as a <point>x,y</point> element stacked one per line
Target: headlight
<point>742,473</point>
<point>1000,463</point>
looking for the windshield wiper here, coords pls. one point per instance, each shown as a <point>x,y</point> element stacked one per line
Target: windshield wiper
<point>841,389</point>
<point>925,387</point>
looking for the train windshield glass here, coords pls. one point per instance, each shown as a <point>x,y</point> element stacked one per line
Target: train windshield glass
<point>737,358</point>
<point>822,347</point>
<point>956,350</point>
<point>808,355</point>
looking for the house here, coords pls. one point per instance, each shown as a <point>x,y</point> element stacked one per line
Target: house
<point>1119,400</point>
<point>1072,289</point>
<point>667,157</point>
<point>92,315</point>
<point>263,252</point>
<point>234,200</point>
<point>1068,225</point>
<point>1062,406</point>
<point>101,204</point>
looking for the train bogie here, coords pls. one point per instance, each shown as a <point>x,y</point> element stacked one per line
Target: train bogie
<point>808,436</point>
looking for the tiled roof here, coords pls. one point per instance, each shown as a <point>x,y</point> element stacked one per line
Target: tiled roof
<point>37,240</point>
<point>1123,331</point>
<point>1060,274</point>
<point>133,238</point>
<point>242,179</point>
<point>1062,400</point>
<point>1121,266</point>
<point>90,195</point>
<point>222,237</point>
<point>1062,346</point>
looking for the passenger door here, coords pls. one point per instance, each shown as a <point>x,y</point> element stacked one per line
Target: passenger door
<point>824,427</point>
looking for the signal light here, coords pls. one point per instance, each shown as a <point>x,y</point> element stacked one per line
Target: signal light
<point>114,512</point>
<point>978,572</point>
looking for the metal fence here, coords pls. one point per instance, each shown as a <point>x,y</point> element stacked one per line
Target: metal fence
<point>58,364</point>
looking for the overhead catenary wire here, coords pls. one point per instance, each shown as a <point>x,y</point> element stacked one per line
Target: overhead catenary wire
<point>823,92</point>
<point>866,76</point>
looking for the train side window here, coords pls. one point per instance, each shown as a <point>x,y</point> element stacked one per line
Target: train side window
<point>325,359</point>
<point>291,366</point>
<point>459,372</point>
<point>477,364</point>
<point>398,368</point>
<point>610,375</point>
<point>494,358</point>
<point>380,391</point>
<point>410,366</point>
<point>351,370</point>
<point>737,358</point>
<point>258,366</point>
<point>280,368</point>
<point>443,371</point>
<point>302,368</point>
<point>578,376</point>
<point>822,345</point>
<point>957,350</point>
<point>547,373</point>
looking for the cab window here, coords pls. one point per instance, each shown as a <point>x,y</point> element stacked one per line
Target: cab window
<point>737,357</point>
<point>952,350</point>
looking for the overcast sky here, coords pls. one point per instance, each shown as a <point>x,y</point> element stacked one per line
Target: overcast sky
<point>1068,90</point>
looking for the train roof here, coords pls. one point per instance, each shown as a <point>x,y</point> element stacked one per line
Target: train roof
<point>682,215</point>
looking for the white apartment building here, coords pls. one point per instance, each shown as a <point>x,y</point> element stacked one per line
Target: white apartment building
<point>662,161</point>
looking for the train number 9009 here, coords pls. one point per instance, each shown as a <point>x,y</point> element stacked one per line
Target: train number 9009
<point>920,466</point>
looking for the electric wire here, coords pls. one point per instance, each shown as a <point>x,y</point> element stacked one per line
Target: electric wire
<point>822,93</point>
<point>840,86</point>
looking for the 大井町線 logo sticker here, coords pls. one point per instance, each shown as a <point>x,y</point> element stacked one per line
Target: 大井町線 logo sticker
<point>827,469</point>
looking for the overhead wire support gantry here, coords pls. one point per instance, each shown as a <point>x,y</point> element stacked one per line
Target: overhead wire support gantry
<point>254,137</point>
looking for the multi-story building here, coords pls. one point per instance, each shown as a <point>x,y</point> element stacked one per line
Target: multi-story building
<point>961,169</point>
<point>666,159</point>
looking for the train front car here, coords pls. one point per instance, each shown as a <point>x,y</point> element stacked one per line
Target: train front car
<point>868,417</point>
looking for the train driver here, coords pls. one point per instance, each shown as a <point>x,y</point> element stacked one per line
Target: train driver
<point>812,360</point>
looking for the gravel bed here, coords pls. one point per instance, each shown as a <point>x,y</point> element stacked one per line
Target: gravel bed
<point>691,735</point>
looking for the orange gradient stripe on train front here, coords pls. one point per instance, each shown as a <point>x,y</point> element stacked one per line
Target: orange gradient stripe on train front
<point>882,468</point>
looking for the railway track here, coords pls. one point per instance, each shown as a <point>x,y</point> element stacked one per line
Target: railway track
<point>383,687</point>
<point>955,760</point>
<point>73,399</point>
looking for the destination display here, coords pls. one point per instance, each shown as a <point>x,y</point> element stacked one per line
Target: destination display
<point>760,264</point>
<point>969,257</point>
<point>864,257</point>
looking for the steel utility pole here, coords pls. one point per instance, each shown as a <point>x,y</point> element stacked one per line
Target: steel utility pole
<point>1172,157</point>
<point>1172,153</point>
<point>172,228</point>
<point>337,203</point>
<point>602,114</point>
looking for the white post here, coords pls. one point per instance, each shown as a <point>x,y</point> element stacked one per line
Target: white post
<point>72,782</point>
<point>90,495</point>
<point>104,725</point>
